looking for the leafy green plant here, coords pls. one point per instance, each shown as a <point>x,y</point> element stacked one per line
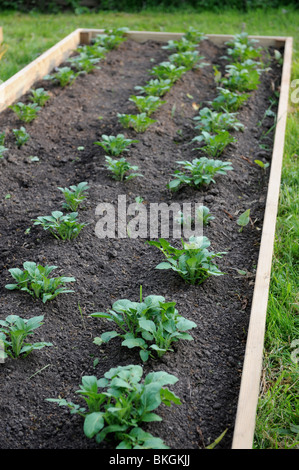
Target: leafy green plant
<point>35,281</point>
<point>155,87</point>
<point>2,138</point>
<point>93,51</point>
<point>151,325</point>
<point>119,403</point>
<point>194,35</point>
<point>228,100</point>
<point>111,39</point>
<point>203,215</point>
<point>147,104</point>
<point>74,196</point>
<point>244,79</point>
<point>243,219</point>
<point>21,136</point>
<point>115,145</point>
<point>65,76</point>
<point>188,59</point>
<point>25,112</point>
<point>167,70</point>
<point>39,96</point>
<point>193,262</point>
<point>213,121</point>
<point>139,122</point>
<point>2,150</point>
<point>119,168</point>
<point>241,52</point>
<point>180,45</point>
<point>84,63</point>
<point>200,171</point>
<point>262,164</point>
<point>64,227</point>
<point>13,332</point>
<point>214,143</point>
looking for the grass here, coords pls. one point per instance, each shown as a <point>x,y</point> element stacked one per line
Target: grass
<point>27,36</point>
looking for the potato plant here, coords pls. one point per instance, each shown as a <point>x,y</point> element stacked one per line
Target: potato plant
<point>147,104</point>
<point>119,403</point>
<point>115,145</point>
<point>180,45</point>
<point>64,227</point>
<point>25,112</point>
<point>213,121</point>
<point>215,144</point>
<point>139,122</point>
<point>35,280</point>
<point>193,262</point>
<point>13,332</point>
<point>188,59</point>
<point>151,325</point>
<point>39,96</point>
<point>201,171</point>
<point>84,63</point>
<point>169,71</point>
<point>155,87</point>
<point>121,168</point>
<point>74,196</point>
<point>65,76</point>
<point>21,136</point>
<point>111,38</point>
<point>229,101</point>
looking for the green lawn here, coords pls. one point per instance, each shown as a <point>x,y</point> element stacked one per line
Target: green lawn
<point>26,36</point>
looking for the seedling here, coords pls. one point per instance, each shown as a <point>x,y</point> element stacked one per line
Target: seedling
<point>74,196</point>
<point>228,100</point>
<point>243,219</point>
<point>193,262</point>
<point>84,63</point>
<point>167,70</point>
<point>147,104</point>
<point>120,168</point>
<point>35,281</point>
<point>122,404</point>
<point>139,122</point>
<point>2,150</point>
<point>214,144</point>
<point>155,87</point>
<point>213,121</point>
<point>65,227</point>
<point>181,45</point>
<point>115,145</point>
<point>151,325</point>
<point>201,171</point>
<point>194,35</point>
<point>241,52</point>
<point>39,96</point>
<point>93,51</point>
<point>65,76</point>
<point>14,331</point>
<point>246,79</point>
<point>2,138</point>
<point>21,136</point>
<point>111,39</point>
<point>203,215</point>
<point>26,112</point>
<point>188,59</point>
<point>262,164</point>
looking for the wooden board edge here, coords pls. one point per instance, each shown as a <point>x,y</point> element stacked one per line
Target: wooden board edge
<point>1,34</point>
<point>22,81</point>
<point>253,359</point>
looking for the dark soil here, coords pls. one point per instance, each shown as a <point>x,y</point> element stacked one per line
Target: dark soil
<point>208,368</point>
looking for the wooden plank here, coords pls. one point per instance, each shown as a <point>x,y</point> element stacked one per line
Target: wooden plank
<point>252,367</point>
<point>22,81</point>
<point>1,34</point>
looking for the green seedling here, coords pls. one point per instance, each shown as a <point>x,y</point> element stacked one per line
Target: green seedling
<point>246,79</point>
<point>2,138</point>
<point>243,219</point>
<point>119,403</point>
<point>262,164</point>
<point>64,227</point>
<point>65,76</point>
<point>39,96</point>
<point>241,52</point>
<point>151,325</point>
<point>147,104</point>
<point>120,169</point>
<point>193,262</point>
<point>35,281</point>
<point>215,144</point>
<point>92,51</point>
<point>111,39</point>
<point>84,63</point>
<point>228,100</point>
<point>115,145</point>
<point>25,112</point>
<point>201,171</point>
<point>194,35</point>
<point>139,122</point>
<point>74,196</point>
<point>181,45</point>
<point>2,150</point>
<point>203,216</point>
<point>213,121</point>
<point>188,59</point>
<point>155,87</point>
<point>21,136</point>
<point>13,332</point>
<point>167,70</point>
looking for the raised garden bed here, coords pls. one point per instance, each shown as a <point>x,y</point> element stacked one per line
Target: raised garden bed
<point>216,390</point>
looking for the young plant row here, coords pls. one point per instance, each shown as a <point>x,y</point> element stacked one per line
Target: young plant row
<point>85,61</point>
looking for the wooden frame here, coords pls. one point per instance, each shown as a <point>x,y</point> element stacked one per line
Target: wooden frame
<point>22,81</point>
